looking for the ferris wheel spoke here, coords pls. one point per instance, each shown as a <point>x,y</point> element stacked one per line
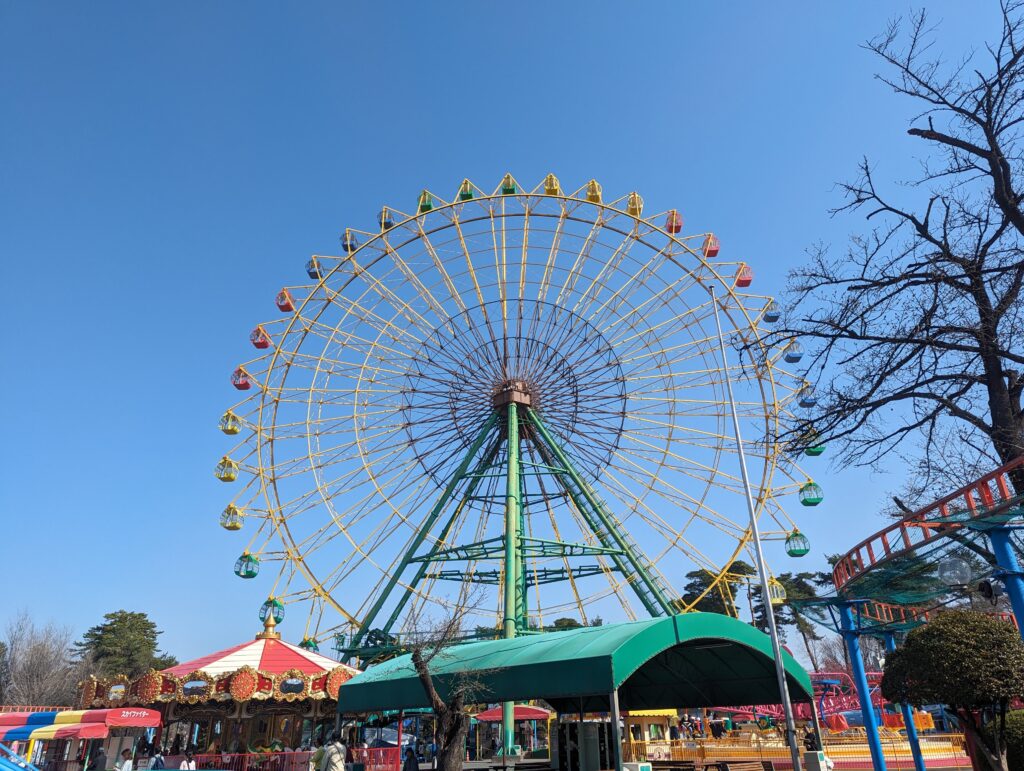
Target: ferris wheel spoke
<point>674,534</point>
<point>636,282</point>
<point>544,285</point>
<point>663,451</point>
<point>663,488</point>
<point>441,270</point>
<point>262,536</point>
<point>497,246</point>
<point>633,319</point>
<point>715,439</point>
<point>471,271</point>
<point>575,272</point>
<point>404,345</point>
<point>586,297</point>
<point>553,521</point>
<point>385,328</point>
<point>410,275</point>
<point>456,295</point>
<point>523,262</point>
<point>386,528</point>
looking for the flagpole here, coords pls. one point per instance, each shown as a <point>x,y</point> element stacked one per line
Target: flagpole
<point>762,570</point>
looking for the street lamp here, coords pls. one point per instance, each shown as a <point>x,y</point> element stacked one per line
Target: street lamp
<point>954,571</point>
<point>762,568</point>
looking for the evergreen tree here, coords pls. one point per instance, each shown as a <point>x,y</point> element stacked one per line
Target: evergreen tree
<point>969,661</point>
<point>124,644</point>
<point>714,601</point>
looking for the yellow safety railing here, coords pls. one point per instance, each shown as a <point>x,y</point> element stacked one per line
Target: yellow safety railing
<point>848,750</point>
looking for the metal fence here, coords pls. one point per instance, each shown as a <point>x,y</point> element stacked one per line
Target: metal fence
<point>371,759</point>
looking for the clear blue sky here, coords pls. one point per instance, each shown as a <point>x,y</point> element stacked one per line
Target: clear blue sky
<point>166,167</point>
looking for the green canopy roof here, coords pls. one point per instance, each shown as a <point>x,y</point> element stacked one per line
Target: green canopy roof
<point>690,660</point>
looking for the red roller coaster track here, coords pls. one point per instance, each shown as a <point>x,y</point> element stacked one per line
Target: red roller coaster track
<point>983,499</point>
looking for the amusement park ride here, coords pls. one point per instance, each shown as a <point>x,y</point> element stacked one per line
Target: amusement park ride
<point>512,401</point>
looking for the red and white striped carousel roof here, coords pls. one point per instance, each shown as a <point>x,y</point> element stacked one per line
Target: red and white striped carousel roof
<point>266,655</point>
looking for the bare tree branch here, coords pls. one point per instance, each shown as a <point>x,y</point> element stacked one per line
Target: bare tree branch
<point>39,666</point>
<point>919,323</point>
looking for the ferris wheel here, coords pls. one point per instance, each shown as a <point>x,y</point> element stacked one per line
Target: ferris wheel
<point>511,400</point>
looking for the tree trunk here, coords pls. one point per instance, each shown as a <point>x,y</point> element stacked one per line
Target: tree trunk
<point>994,760</point>
<point>1004,407</point>
<point>452,721</point>
<point>810,651</point>
<point>452,750</point>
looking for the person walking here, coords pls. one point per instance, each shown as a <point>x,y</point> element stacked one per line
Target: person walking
<point>411,762</point>
<point>126,761</point>
<point>189,763</point>
<point>317,756</point>
<point>334,754</point>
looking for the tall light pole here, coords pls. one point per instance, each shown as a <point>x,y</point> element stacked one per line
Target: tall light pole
<point>762,570</point>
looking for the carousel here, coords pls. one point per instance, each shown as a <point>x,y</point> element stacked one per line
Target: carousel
<point>265,694</point>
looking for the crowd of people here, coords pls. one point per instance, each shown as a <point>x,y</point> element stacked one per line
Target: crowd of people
<point>138,761</point>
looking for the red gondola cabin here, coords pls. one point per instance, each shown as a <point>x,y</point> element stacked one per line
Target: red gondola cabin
<point>284,301</point>
<point>711,245</point>
<point>259,338</point>
<point>240,379</point>
<point>744,276</point>
<point>674,222</point>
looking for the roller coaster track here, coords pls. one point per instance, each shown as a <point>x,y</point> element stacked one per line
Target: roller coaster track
<point>990,498</point>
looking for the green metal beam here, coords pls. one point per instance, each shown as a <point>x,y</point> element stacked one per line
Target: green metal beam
<point>512,559</point>
<point>474,481</point>
<point>651,595</point>
<point>420,536</point>
<point>512,545</point>
<point>494,548</point>
<point>489,577</point>
<point>537,576</point>
<point>554,575</point>
<point>522,606</point>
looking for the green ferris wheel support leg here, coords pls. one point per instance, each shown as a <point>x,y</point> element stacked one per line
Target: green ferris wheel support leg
<point>421,572</point>
<point>616,555</point>
<point>513,557</point>
<point>421,536</point>
<point>522,609</point>
<point>661,603</point>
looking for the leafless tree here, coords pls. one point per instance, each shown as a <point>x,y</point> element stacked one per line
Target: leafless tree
<point>39,665</point>
<point>919,324</point>
<point>833,656</point>
<point>428,642</point>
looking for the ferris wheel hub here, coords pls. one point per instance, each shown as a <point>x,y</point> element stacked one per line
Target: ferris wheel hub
<point>512,392</point>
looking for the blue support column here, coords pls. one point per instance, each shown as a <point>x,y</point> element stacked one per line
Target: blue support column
<point>851,636</point>
<point>908,715</point>
<point>1012,577</point>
